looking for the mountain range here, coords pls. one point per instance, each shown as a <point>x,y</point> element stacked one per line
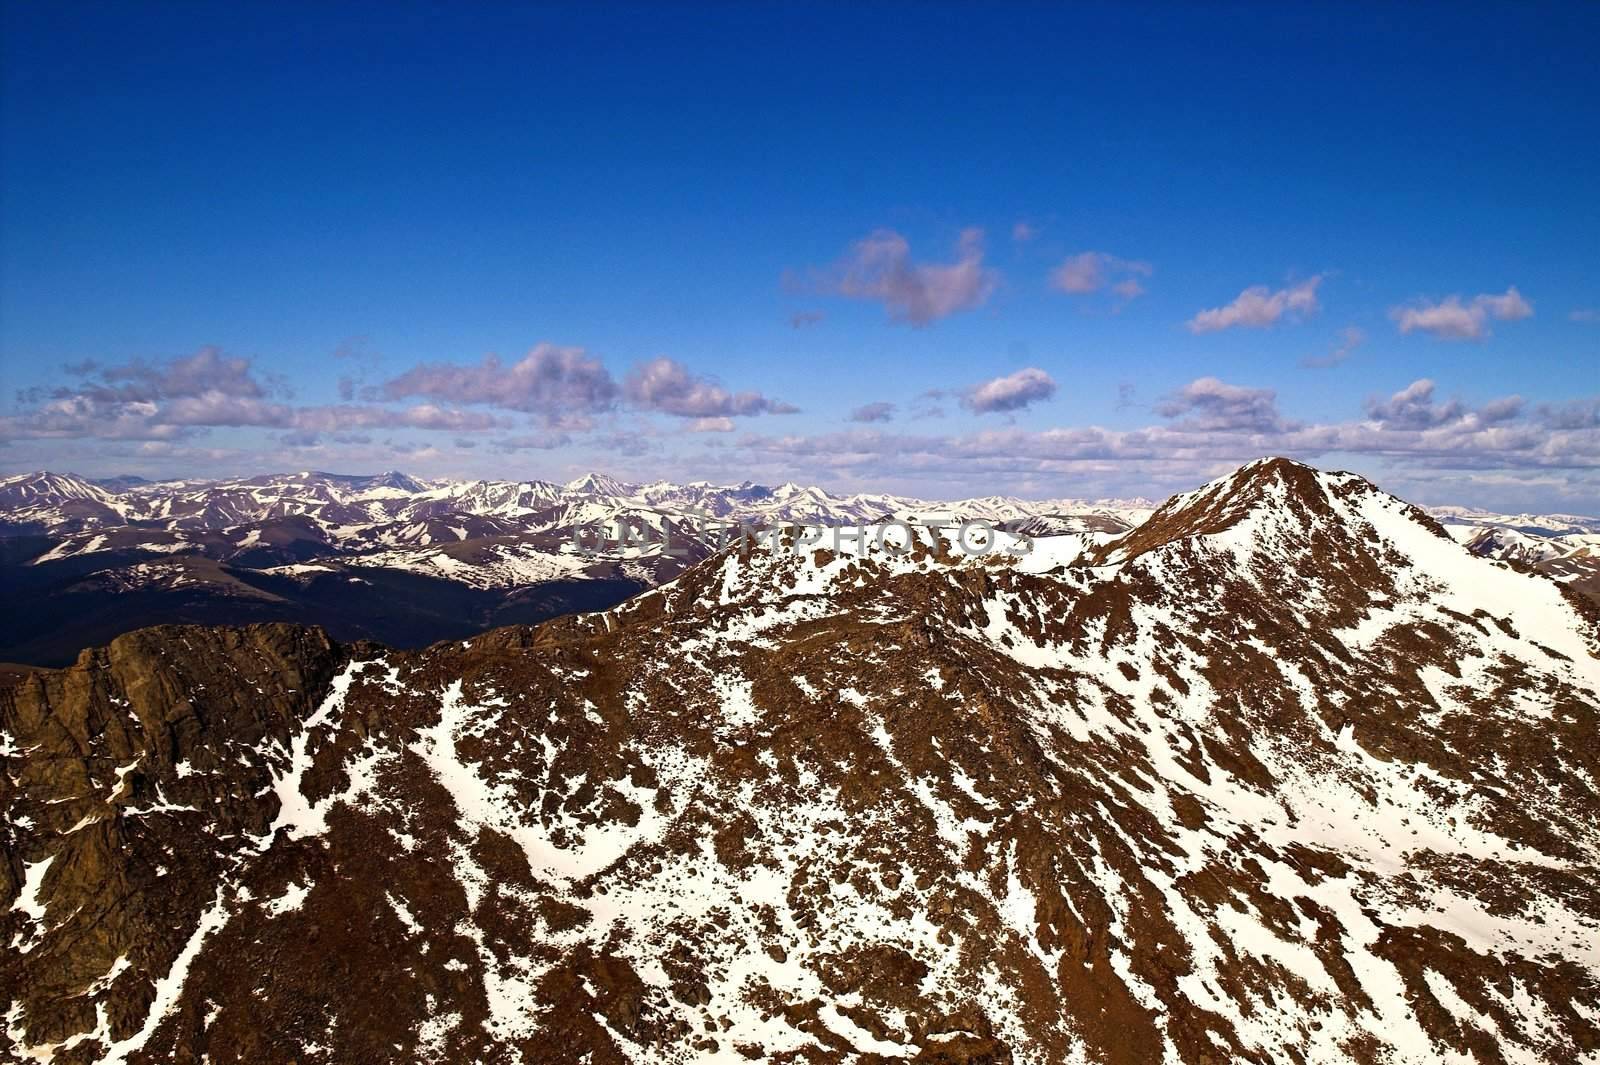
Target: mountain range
<point>388,557</point>
<point>409,562</point>
<point>1284,772</point>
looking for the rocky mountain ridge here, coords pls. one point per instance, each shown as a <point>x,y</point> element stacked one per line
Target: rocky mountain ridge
<point>1283,774</point>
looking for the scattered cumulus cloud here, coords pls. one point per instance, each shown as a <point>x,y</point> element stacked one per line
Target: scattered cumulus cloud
<point>143,400</point>
<point>563,389</point>
<point>566,386</point>
<point>1440,449</point>
<point>1453,319</point>
<point>1260,306</point>
<point>1413,407</point>
<point>666,385</point>
<point>175,399</point>
<point>1211,426</point>
<point>549,381</point>
<point>209,372</point>
<point>879,267</point>
<point>1009,393</point>
<point>1210,405</point>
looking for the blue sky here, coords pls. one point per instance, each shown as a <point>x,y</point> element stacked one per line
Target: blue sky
<point>730,228</point>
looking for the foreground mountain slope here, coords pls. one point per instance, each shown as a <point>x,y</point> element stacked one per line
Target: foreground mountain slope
<point>1283,775</point>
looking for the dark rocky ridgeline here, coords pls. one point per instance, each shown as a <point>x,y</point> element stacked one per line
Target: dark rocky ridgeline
<point>133,785</point>
<point>1285,776</point>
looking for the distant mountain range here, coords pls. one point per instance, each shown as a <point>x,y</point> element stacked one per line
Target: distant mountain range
<point>408,562</point>
<point>389,557</point>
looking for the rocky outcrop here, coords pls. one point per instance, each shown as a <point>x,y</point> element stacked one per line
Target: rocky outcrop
<point>134,782</point>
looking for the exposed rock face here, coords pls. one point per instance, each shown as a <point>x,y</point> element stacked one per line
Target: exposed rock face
<point>134,784</point>
<point>1283,775</point>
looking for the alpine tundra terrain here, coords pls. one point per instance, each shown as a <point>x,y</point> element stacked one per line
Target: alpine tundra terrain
<point>1284,773</point>
<point>388,557</point>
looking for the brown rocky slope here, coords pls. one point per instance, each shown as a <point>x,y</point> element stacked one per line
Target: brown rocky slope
<point>1285,775</point>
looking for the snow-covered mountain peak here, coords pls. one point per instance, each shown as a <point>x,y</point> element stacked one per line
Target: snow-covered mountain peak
<point>44,487</point>
<point>1270,504</point>
<point>598,484</point>
<point>397,480</point>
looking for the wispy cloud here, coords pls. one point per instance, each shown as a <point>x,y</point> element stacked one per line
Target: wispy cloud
<point>879,267</point>
<point>531,442</point>
<point>1451,319</point>
<point>1009,393</point>
<point>1094,271</point>
<point>802,319</point>
<point>422,416</point>
<point>873,412</point>
<point>1573,414</point>
<point>1584,314</point>
<point>1260,306</point>
<point>1348,340</point>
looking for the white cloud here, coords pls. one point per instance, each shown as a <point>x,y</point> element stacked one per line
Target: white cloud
<point>1451,319</point>
<point>548,380</point>
<point>879,267</point>
<point>667,386</point>
<point>1011,392</point>
<point>1259,306</point>
<point>1207,403</point>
